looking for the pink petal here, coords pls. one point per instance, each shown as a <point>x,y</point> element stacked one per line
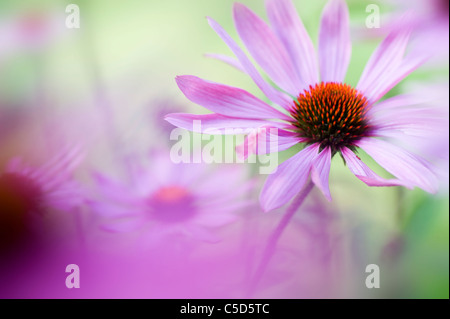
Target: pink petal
<point>390,79</point>
<point>64,163</point>
<point>289,179</point>
<point>432,145</point>
<point>226,100</point>
<point>386,57</point>
<point>271,93</point>
<point>334,42</point>
<point>267,140</point>
<point>425,121</point>
<point>395,102</point>
<point>114,191</point>
<point>217,124</point>
<point>321,171</point>
<point>290,30</point>
<point>364,173</point>
<point>408,168</point>
<point>386,66</point>
<point>266,49</point>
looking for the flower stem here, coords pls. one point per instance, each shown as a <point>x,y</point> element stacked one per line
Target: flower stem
<point>275,236</point>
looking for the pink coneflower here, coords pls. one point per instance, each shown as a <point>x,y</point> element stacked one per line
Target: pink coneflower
<point>165,199</point>
<point>312,103</point>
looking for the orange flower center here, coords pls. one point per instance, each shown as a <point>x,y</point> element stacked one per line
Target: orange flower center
<point>172,204</point>
<point>170,194</point>
<point>332,114</point>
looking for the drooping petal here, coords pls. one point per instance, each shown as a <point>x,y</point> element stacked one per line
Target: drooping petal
<point>226,100</point>
<point>217,124</point>
<point>267,140</point>
<point>408,168</point>
<point>290,30</point>
<point>334,42</point>
<point>288,180</point>
<point>271,93</point>
<point>321,171</point>
<point>266,49</point>
<point>364,173</point>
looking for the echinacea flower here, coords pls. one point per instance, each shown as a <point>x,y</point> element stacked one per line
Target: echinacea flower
<point>312,104</point>
<point>165,199</point>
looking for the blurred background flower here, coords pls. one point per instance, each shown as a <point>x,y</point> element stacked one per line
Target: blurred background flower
<point>164,199</point>
<point>105,86</point>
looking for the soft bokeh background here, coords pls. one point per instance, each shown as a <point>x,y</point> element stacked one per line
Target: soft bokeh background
<point>107,86</point>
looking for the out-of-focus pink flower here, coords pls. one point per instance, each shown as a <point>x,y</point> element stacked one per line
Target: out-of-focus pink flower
<point>312,105</point>
<point>164,198</point>
<point>30,31</point>
<point>429,21</point>
<point>48,186</point>
<point>26,193</point>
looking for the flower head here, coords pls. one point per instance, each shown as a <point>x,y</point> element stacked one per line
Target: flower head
<point>164,198</point>
<point>332,115</point>
<point>311,103</point>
